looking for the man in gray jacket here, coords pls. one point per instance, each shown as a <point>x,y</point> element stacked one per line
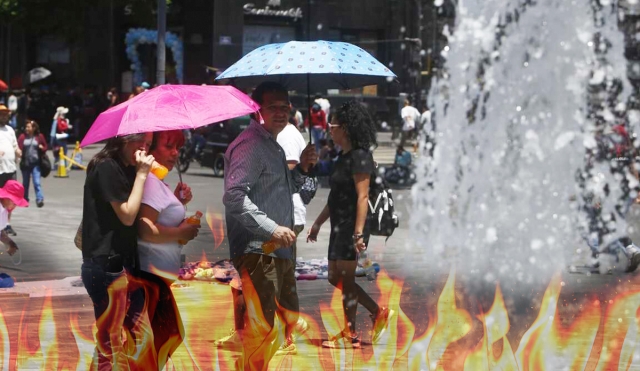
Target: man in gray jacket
<point>259,217</point>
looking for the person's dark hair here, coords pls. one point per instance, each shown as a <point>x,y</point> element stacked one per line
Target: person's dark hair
<point>36,127</point>
<point>113,148</point>
<point>359,126</point>
<point>323,142</point>
<point>268,87</point>
<point>174,135</point>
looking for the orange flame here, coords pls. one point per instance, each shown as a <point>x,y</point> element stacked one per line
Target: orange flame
<point>601,337</point>
<point>45,355</point>
<point>260,340</point>
<point>206,313</point>
<point>621,332</point>
<point>204,262</point>
<point>216,224</point>
<point>495,324</point>
<point>451,324</point>
<point>548,345</point>
<point>86,344</point>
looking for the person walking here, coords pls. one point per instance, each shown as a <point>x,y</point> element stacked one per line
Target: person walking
<point>410,116</point>
<point>295,118</point>
<point>112,197</point>
<point>9,152</point>
<point>259,214</point>
<point>317,124</point>
<point>10,197</point>
<point>59,135</point>
<point>33,145</point>
<point>112,97</point>
<point>325,105</point>
<point>162,229</point>
<point>354,131</point>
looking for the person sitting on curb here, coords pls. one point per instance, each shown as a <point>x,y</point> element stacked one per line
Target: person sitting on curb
<point>11,195</point>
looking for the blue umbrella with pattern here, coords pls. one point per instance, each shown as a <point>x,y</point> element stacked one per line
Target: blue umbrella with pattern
<point>305,65</point>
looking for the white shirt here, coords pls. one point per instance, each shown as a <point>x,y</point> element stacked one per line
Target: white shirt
<point>8,147</point>
<point>293,144</point>
<point>12,103</point>
<point>4,217</point>
<point>425,121</point>
<point>325,105</point>
<point>410,115</point>
<point>299,118</point>
<point>161,256</point>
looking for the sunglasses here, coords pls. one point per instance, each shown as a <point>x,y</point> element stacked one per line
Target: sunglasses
<point>334,126</point>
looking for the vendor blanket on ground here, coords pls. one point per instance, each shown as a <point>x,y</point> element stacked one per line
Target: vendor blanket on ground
<point>223,271</point>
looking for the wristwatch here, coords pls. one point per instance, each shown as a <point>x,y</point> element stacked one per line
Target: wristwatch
<point>357,236</point>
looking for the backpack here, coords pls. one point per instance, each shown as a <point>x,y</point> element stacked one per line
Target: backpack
<point>381,218</point>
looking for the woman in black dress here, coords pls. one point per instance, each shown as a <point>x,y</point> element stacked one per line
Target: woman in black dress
<point>354,131</point>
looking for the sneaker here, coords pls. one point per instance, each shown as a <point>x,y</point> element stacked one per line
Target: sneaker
<point>634,259</point>
<point>288,347</point>
<point>229,341</point>
<point>10,231</point>
<point>301,327</point>
<point>380,323</point>
<point>40,203</point>
<point>343,341</point>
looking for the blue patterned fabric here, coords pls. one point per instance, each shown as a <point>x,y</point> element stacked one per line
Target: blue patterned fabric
<point>327,65</point>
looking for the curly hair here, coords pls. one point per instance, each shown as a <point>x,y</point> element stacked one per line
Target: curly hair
<point>358,125</point>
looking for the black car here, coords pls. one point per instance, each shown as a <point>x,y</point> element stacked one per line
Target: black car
<point>218,136</point>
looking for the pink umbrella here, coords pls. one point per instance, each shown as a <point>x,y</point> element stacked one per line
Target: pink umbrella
<point>171,107</point>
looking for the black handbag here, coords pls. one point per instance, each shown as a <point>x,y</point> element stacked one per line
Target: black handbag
<point>45,165</point>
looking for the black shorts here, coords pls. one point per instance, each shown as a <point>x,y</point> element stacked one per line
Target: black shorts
<point>341,246</point>
<point>5,177</point>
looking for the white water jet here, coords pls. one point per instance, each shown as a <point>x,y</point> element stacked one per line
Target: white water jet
<point>512,123</point>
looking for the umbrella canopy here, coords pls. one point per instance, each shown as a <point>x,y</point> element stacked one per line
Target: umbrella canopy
<point>38,74</point>
<point>170,107</point>
<point>325,64</point>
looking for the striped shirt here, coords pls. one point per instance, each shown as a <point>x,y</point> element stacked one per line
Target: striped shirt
<point>257,192</point>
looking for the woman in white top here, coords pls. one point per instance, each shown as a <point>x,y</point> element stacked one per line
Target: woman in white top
<point>161,225</point>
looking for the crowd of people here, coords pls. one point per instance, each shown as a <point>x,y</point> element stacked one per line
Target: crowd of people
<point>133,229</point>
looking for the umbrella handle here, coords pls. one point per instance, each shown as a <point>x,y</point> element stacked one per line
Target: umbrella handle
<point>309,106</point>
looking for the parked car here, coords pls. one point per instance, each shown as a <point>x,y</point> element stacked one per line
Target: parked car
<point>218,137</point>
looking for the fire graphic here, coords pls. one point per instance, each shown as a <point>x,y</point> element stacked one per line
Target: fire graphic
<point>599,336</point>
<point>216,224</point>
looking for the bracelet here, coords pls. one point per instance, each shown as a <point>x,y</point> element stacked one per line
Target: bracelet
<point>357,236</point>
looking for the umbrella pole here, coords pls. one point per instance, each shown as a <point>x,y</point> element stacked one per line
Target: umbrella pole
<point>180,177</point>
<point>309,106</point>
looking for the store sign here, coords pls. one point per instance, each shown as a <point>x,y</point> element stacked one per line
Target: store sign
<point>295,13</point>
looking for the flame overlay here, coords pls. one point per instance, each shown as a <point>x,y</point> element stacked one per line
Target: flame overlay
<point>601,335</point>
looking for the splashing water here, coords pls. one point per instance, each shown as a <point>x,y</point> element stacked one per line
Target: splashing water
<point>512,111</point>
